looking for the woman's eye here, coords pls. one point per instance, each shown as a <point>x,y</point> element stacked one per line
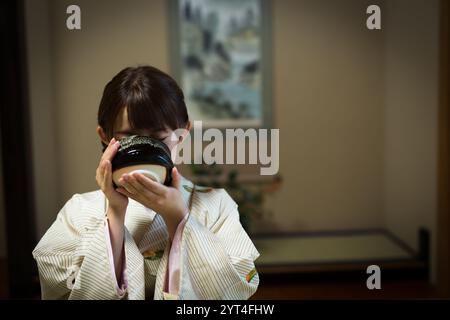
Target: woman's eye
<point>118,138</point>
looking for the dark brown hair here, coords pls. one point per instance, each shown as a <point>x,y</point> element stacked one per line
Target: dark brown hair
<point>153,100</point>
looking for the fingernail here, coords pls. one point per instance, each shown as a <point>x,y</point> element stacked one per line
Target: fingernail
<point>111,141</point>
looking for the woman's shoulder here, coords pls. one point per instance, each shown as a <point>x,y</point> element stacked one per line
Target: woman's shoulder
<point>205,194</point>
<point>92,200</point>
<point>89,196</point>
<point>84,208</point>
<point>216,196</point>
<point>210,204</point>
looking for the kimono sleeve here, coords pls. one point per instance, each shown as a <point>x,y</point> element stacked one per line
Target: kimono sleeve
<point>217,261</point>
<point>73,258</point>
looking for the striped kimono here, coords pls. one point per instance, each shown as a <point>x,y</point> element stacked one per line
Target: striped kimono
<point>216,256</point>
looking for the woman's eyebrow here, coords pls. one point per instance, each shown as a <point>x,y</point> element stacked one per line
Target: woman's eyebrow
<point>123,132</point>
<point>159,134</point>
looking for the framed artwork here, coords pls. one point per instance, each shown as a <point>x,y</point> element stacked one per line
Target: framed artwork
<point>220,56</point>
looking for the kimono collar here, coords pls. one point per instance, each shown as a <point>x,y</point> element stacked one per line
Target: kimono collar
<point>186,187</point>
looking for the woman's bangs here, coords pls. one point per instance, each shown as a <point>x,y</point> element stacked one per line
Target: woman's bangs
<point>143,116</point>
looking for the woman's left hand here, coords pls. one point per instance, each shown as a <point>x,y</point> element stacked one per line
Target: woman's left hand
<point>167,201</point>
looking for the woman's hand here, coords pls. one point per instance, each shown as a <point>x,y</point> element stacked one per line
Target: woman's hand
<point>117,201</point>
<point>117,205</point>
<point>167,201</point>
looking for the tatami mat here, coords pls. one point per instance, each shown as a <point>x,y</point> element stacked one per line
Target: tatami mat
<point>329,249</point>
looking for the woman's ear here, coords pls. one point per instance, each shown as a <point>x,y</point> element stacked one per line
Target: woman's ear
<point>185,131</point>
<point>189,126</point>
<point>101,133</point>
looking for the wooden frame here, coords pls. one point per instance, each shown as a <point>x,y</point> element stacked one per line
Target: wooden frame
<point>443,228</point>
<point>16,152</point>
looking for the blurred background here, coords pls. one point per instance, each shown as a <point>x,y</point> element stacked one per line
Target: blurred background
<point>363,119</point>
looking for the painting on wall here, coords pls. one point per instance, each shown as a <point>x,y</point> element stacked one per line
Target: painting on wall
<point>220,59</point>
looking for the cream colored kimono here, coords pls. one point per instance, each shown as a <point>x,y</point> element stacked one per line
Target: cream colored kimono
<point>216,262</point>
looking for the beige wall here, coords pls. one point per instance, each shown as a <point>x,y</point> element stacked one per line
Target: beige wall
<point>44,129</point>
<point>68,71</point>
<point>114,34</point>
<point>328,98</point>
<point>411,117</point>
<point>355,108</point>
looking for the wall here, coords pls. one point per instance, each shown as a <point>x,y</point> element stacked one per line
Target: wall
<point>411,117</point>
<point>45,149</point>
<point>68,71</point>
<point>114,35</point>
<point>328,100</point>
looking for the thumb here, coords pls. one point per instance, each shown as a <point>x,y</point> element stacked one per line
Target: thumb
<point>176,178</point>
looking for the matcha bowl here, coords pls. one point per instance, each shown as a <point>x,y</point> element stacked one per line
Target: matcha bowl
<point>144,155</point>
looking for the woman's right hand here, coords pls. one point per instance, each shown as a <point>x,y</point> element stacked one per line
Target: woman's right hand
<point>117,201</point>
<point>117,205</point>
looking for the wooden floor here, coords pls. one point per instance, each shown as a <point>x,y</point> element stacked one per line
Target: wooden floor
<point>345,290</point>
<point>333,266</point>
<point>405,289</point>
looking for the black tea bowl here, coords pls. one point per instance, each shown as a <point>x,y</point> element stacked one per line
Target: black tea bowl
<point>144,155</point>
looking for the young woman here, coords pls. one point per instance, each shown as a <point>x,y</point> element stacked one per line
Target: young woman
<point>146,240</point>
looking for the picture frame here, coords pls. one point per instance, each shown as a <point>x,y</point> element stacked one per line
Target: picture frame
<point>220,54</point>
